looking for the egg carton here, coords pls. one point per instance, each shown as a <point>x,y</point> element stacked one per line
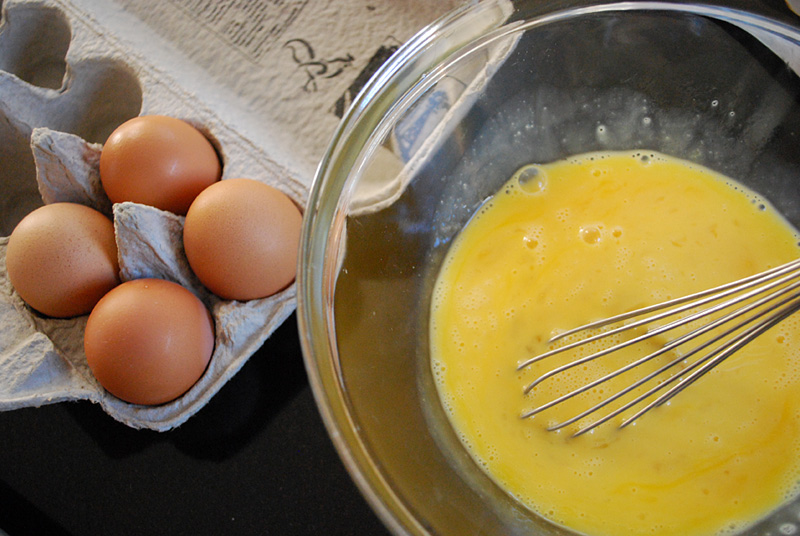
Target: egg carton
<point>65,84</point>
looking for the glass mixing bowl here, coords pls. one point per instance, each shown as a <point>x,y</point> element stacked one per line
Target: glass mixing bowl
<point>445,122</point>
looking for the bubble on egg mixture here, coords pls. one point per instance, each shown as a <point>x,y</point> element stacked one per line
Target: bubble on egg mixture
<point>529,242</point>
<point>532,237</point>
<point>590,234</point>
<point>563,214</point>
<point>622,261</point>
<point>531,179</point>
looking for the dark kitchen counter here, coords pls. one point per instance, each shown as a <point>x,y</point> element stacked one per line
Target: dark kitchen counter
<point>255,460</point>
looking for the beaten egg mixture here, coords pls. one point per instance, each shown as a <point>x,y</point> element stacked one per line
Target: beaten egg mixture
<point>566,243</point>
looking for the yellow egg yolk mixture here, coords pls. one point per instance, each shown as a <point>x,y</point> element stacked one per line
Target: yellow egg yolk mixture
<point>570,242</point>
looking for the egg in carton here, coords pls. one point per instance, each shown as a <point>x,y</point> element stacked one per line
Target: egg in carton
<point>64,86</point>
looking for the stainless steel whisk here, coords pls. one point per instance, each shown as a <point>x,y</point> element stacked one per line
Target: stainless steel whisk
<point>748,307</point>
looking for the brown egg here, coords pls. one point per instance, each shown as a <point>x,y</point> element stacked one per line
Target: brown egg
<point>148,341</point>
<point>62,258</point>
<point>241,237</point>
<point>159,161</point>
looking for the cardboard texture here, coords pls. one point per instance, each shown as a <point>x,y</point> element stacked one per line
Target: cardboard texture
<point>266,81</point>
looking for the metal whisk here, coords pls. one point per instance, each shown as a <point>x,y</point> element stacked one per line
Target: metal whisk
<point>747,308</point>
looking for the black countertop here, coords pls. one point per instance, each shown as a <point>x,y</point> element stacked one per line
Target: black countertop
<point>255,460</point>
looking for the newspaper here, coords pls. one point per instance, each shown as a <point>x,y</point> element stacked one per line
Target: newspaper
<point>282,71</point>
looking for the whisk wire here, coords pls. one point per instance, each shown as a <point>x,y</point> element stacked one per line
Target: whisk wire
<point>687,303</point>
<point>724,353</point>
<point>749,288</point>
<point>667,347</point>
<point>655,331</point>
<point>688,375</point>
<point>733,286</point>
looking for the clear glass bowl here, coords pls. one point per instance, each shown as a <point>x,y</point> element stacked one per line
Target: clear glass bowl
<point>446,122</point>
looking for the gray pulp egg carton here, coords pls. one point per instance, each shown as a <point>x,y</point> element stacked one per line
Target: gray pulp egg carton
<point>65,84</point>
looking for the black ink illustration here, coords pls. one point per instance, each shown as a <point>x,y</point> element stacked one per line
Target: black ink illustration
<point>315,68</point>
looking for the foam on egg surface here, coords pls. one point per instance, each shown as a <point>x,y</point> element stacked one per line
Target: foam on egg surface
<point>570,242</point>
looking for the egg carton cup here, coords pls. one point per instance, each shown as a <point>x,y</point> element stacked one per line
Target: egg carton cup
<point>64,86</point>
